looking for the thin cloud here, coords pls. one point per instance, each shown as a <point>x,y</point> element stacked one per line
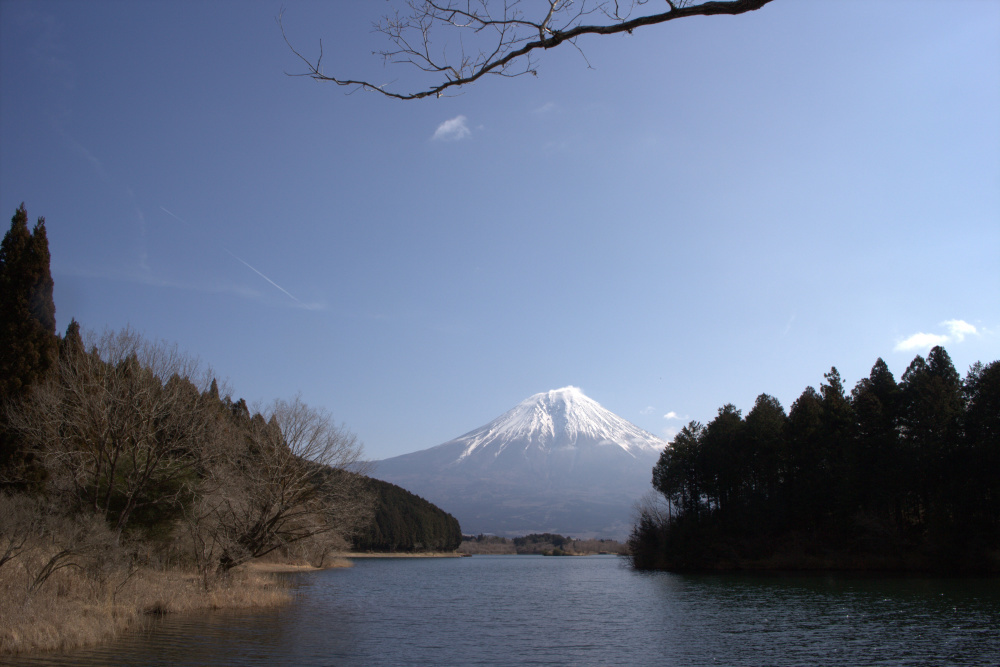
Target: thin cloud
<point>298,302</point>
<point>546,108</point>
<point>247,264</point>
<point>957,331</point>
<point>648,410</point>
<point>94,161</point>
<point>147,278</point>
<point>673,415</point>
<point>143,277</point>
<point>788,327</point>
<point>454,129</point>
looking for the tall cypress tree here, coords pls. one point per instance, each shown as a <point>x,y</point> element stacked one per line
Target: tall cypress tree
<point>29,347</point>
<point>28,343</point>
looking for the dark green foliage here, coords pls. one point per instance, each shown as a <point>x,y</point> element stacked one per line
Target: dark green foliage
<point>678,473</point>
<point>548,540</point>
<point>978,494</point>
<point>406,522</point>
<point>28,342</point>
<point>880,479</point>
<point>804,462</point>
<point>895,475</point>
<point>724,460</point>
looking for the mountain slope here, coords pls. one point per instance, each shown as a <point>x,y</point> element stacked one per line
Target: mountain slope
<point>556,462</point>
<point>406,522</point>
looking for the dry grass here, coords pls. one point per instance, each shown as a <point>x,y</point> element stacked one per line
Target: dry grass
<point>80,606</point>
<point>276,566</point>
<point>402,554</point>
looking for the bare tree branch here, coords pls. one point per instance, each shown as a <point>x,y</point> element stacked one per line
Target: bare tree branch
<point>276,481</point>
<point>119,427</point>
<point>501,37</point>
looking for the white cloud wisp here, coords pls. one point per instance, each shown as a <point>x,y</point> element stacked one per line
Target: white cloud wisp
<point>957,331</point>
<point>454,129</point>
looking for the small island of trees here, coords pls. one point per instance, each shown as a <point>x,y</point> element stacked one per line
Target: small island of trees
<point>901,476</point>
<point>539,544</point>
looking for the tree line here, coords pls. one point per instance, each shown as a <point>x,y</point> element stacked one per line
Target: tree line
<point>538,544</point>
<point>893,475</point>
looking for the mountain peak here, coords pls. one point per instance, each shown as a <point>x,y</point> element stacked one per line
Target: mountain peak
<point>568,395</point>
<point>568,391</point>
<point>555,462</point>
<point>558,419</point>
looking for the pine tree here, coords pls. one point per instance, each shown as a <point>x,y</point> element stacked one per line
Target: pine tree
<point>979,497</point>
<point>28,343</point>
<point>764,434</point>
<point>725,459</point>
<point>931,419</point>
<point>805,460</point>
<point>881,469</point>
<point>29,347</point>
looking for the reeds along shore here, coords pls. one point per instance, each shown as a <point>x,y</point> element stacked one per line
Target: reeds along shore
<point>96,601</point>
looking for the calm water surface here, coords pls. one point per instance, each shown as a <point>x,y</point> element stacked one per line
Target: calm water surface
<point>525,610</point>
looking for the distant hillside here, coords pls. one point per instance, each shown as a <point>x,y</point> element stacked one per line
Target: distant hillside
<point>545,544</point>
<point>407,522</point>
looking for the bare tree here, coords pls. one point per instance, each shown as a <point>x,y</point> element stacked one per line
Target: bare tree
<point>502,37</point>
<point>40,540</point>
<point>18,524</point>
<point>120,427</point>
<point>278,480</point>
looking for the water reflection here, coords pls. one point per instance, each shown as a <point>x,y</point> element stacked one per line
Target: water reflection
<point>585,611</point>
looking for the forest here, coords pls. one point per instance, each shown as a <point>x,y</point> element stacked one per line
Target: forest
<point>895,476</point>
<point>128,475</point>
<point>406,522</point>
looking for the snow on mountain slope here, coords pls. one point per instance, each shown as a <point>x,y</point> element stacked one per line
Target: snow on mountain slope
<point>561,418</point>
<point>556,462</point>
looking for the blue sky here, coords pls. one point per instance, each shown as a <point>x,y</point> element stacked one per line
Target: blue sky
<point>714,208</point>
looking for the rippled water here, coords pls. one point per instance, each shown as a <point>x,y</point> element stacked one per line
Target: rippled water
<point>524,610</point>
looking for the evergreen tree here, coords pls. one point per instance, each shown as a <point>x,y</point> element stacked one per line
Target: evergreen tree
<point>28,343</point>
<point>878,461</point>
<point>678,474</point>
<point>836,473</point>
<point>29,347</point>
<point>931,419</point>
<point>804,458</point>
<point>725,459</point>
<point>904,476</point>
<point>764,428</point>
<point>71,343</point>
<point>980,494</point>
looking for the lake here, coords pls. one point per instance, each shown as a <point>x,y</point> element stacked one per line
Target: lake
<point>533,610</point>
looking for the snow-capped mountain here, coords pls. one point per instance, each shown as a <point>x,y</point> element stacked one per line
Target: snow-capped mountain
<point>556,462</point>
<point>558,419</point>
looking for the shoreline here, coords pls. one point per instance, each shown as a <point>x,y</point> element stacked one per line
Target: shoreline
<point>400,554</point>
<point>335,562</point>
<point>73,614</point>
